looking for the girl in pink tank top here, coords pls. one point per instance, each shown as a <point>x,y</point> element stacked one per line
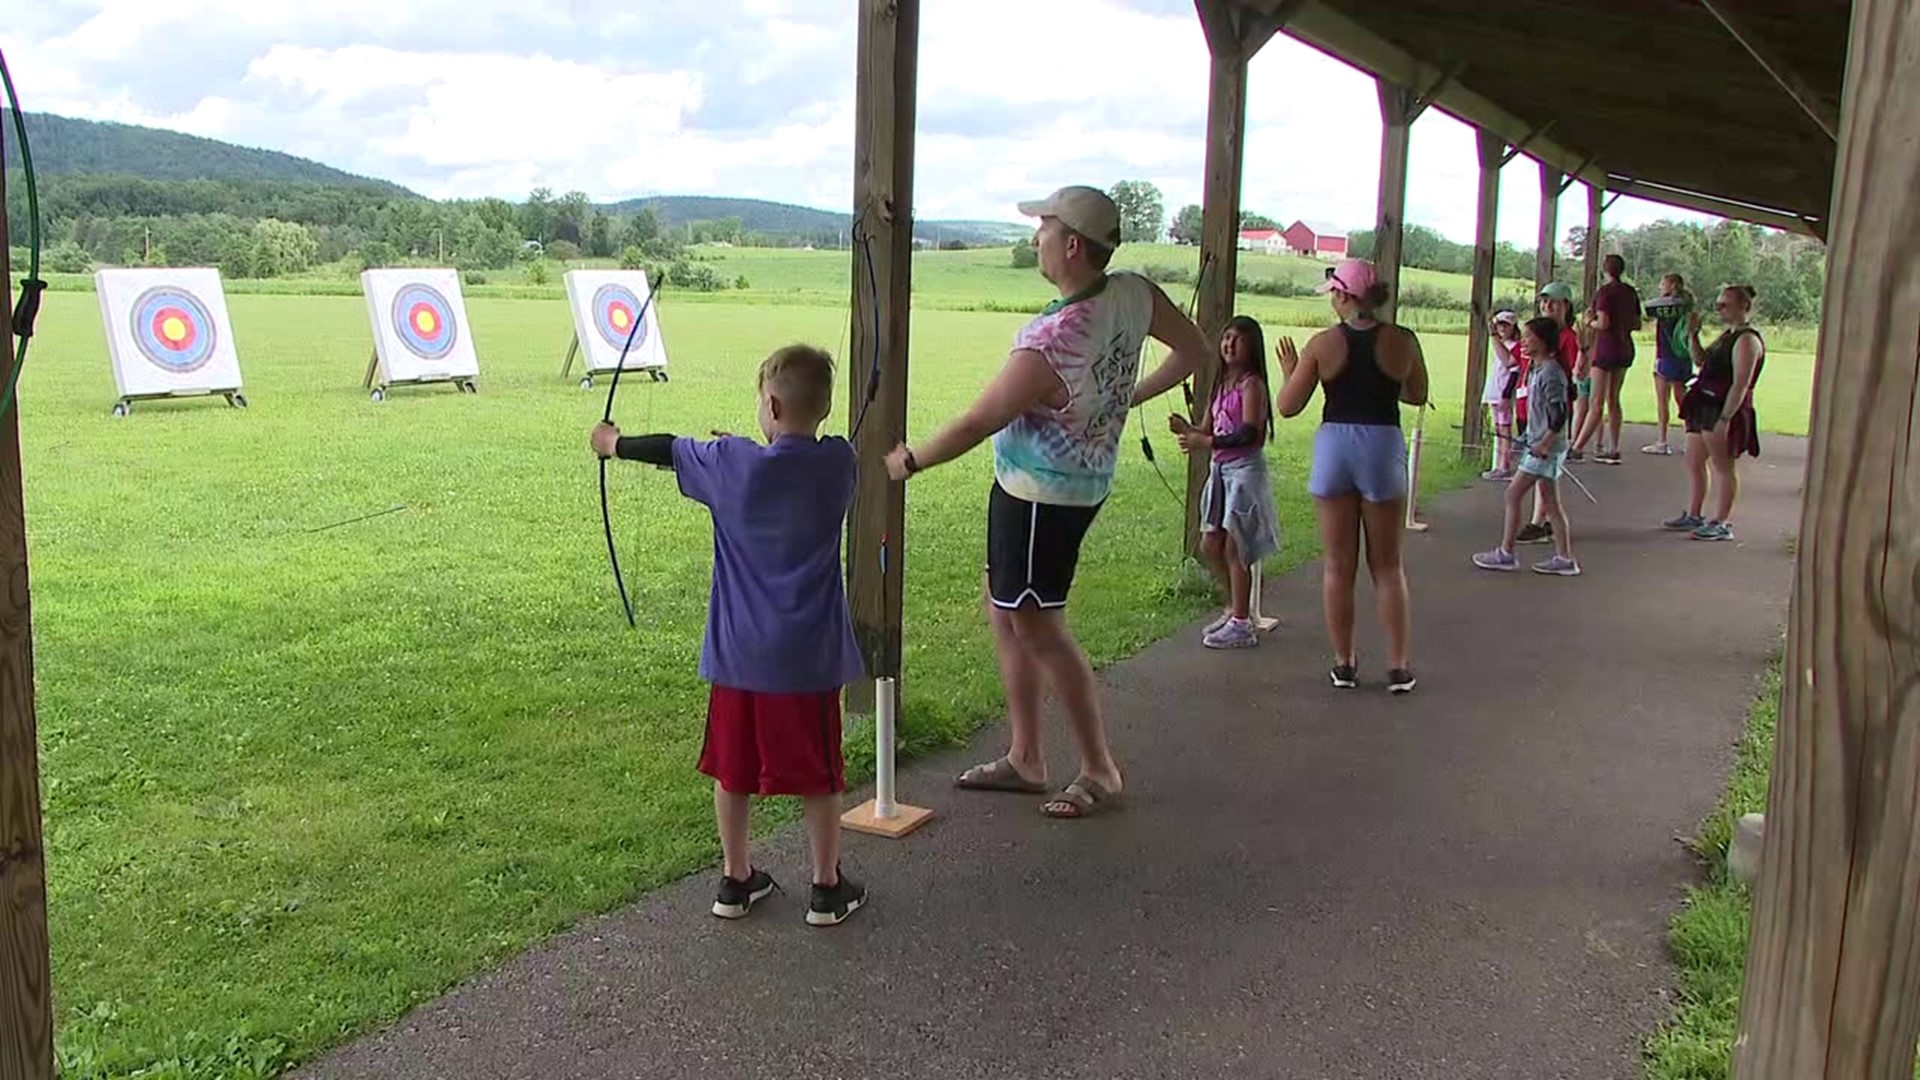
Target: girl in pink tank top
<point>1238,522</point>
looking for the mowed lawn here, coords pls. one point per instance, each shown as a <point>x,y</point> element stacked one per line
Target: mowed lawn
<point>298,779</point>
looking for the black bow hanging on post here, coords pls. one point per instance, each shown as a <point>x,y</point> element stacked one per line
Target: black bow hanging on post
<point>865,240</point>
<point>606,515</point>
<point>1186,389</point>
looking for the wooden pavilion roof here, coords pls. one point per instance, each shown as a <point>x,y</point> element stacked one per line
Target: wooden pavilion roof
<point>1625,94</point>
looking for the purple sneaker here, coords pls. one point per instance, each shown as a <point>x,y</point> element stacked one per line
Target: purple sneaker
<point>1558,566</point>
<point>1236,634</point>
<point>1497,559</point>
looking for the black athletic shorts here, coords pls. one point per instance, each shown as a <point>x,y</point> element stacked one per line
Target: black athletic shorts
<point>1032,550</point>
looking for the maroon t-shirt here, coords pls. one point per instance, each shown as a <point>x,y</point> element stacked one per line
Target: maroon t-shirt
<point>1614,345</point>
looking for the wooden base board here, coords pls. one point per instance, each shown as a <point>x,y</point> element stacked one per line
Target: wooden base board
<point>1418,526</point>
<point>905,819</point>
<point>1267,624</point>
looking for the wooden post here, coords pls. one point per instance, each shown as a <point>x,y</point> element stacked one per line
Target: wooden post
<point>1399,107</point>
<point>889,41</point>
<point>1234,35</point>
<point>1832,987</point>
<point>26,1004</point>
<point>1550,188</point>
<point>1473,434</point>
<point>1590,270</point>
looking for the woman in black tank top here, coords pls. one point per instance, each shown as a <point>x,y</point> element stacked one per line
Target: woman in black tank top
<point>1718,411</point>
<point>1361,393</point>
<point>1359,476</point>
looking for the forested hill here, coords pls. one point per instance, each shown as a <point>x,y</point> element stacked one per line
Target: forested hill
<point>65,146</point>
<point>775,219</point>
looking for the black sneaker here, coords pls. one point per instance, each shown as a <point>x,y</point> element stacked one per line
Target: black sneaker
<point>831,904</point>
<point>1535,532</point>
<point>736,898</point>
<point>1401,681</point>
<point>1345,676</point>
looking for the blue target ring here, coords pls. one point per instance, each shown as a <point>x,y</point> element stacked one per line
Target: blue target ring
<point>615,307</point>
<point>173,329</point>
<point>423,321</point>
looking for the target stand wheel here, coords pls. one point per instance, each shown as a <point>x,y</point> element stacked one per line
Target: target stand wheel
<point>237,400</point>
<point>586,383</point>
<point>122,408</point>
<point>467,387</point>
<point>379,393</point>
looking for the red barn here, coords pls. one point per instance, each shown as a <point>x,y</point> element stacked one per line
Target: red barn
<point>1317,238</point>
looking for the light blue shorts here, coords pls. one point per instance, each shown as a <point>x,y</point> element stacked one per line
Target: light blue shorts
<point>1370,459</point>
<point>1546,468</point>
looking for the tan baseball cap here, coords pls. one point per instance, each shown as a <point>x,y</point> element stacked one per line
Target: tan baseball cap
<point>1086,210</point>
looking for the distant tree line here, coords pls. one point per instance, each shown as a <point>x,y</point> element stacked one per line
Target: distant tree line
<point>276,228</point>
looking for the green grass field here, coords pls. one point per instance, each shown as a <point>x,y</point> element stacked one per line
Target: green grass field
<point>297,781</point>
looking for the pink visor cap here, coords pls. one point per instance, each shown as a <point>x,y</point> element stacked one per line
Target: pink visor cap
<point>1351,276</point>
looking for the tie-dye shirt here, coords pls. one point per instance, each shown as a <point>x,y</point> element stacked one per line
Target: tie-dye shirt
<point>1066,456</point>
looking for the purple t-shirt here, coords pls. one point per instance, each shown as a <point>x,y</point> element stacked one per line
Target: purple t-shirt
<point>1614,345</point>
<point>777,619</point>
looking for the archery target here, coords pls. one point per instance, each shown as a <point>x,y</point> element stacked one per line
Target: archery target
<point>167,331</point>
<point>420,329</point>
<point>607,309</point>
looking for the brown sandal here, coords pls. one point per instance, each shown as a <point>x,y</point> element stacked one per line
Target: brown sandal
<point>1082,798</point>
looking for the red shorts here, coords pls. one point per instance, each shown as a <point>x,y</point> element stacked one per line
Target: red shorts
<point>774,744</point>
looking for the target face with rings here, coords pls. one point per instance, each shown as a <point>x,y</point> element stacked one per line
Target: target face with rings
<point>615,308</point>
<point>424,321</point>
<point>173,329</point>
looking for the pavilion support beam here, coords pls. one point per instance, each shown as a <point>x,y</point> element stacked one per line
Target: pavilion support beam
<point>1784,220</point>
<point>1474,438</point>
<point>26,1004</point>
<point>1551,186</point>
<point>1832,988</point>
<point>1400,106</point>
<point>885,90</point>
<point>1820,110</point>
<point>1590,270</point>
<point>1234,34</point>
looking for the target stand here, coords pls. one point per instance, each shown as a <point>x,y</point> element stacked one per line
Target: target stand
<point>882,815</point>
<point>168,335</point>
<point>124,406</point>
<point>657,374</point>
<point>461,383</point>
<point>616,326</point>
<point>420,331</point>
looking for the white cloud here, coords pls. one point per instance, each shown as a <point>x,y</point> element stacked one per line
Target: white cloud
<point>747,97</point>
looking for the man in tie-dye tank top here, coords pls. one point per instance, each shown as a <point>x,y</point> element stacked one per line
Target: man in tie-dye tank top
<point>1056,413</point>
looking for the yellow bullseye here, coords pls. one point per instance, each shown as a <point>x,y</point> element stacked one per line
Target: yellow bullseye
<point>621,319</point>
<point>174,329</point>
<point>424,322</point>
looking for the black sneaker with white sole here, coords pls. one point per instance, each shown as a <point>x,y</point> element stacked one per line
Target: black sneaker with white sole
<point>736,898</point>
<point>1401,681</point>
<point>829,905</point>
<point>1345,676</point>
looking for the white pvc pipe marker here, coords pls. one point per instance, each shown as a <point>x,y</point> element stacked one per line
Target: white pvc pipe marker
<point>1413,469</point>
<point>883,691</point>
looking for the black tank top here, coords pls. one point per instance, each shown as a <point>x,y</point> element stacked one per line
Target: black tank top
<point>1361,393</point>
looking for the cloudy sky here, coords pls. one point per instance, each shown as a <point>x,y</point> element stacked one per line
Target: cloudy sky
<point>620,98</point>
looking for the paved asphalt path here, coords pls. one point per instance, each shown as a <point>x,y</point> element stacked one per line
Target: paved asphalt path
<point>1472,881</point>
